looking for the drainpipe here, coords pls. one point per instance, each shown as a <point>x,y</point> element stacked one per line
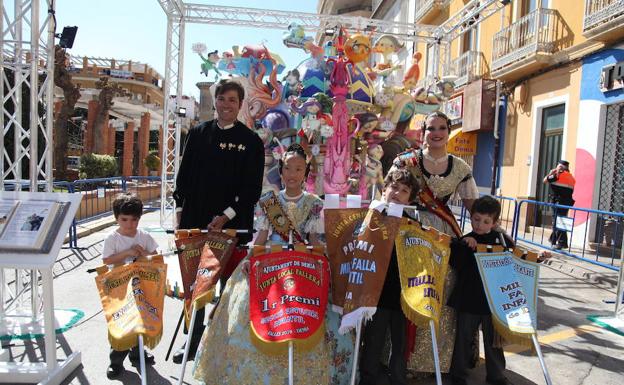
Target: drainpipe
<point>498,105</point>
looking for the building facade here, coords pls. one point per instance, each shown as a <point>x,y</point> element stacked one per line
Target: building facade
<point>560,68</point>
<point>133,127</point>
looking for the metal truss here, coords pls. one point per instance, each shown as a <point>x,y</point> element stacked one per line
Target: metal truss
<point>27,68</point>
<point>174,64</point>
<point>461,22</point>
<point>178,14</point>
<point>265,18</point>
<point>468,18</point>
<point>16,285</point>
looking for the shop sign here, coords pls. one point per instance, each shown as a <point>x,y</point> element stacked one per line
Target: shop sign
<point>462,143</point>
<point>612,77</point>
<point>121,74</point>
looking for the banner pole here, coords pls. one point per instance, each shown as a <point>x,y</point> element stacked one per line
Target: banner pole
<point>291,354</point>
<point>356,351</point>
<point>142,361</point>
<point>436,358</point>
<point>619,297</point>
<point>175,333</point>
<point>541,358</point>
<point>187,346</point>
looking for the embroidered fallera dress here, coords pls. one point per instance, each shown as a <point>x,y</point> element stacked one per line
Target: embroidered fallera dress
<point>456,181</point>
<point>227,355</point>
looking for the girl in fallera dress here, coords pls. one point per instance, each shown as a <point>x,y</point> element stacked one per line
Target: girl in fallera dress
<point>227,354</point>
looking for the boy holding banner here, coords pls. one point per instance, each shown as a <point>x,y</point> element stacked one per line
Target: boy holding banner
<point>123,245</point>
<point>468,297</point>
<point>399,187</point>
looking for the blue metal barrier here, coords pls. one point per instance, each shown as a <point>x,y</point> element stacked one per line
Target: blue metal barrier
<point>106,188</point>
<point>68,187</point>
<point>99,194</point>
<point>507,215</point>
<point>146,187</point>
<point>592,235</point>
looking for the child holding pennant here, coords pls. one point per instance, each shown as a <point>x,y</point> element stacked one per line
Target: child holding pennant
<point>400,187</point>
<point>228,353</point>
<point>123,245</point>
<point>468,297</point>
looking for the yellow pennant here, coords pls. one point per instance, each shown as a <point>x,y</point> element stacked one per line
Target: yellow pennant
<point>132,297</point>
<point>423,256</point>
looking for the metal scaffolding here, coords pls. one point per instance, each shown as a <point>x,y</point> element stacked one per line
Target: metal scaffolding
<point>26,86</point>
<point>27,71</point>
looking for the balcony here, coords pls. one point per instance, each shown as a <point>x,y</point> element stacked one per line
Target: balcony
<point>526,45</point>
<point>467,67</point>
<point>603,19</point>
<point>427,10</point>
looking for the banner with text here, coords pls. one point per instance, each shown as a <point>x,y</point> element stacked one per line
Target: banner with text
<point>372,249</point>
<point>423,257</point>
<point>202,257</point>
<point>288,293</point>
<point>214,257</point>
<point>132,297</point>
<point>511,286</point>
<point>341,230</point>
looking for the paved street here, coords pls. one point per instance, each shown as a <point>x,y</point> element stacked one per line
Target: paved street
<point>576,351</point>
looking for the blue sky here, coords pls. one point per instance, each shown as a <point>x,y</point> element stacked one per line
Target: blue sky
<point>136,30</point>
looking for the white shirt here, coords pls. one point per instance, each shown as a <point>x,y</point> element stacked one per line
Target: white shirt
<point>116,243</point>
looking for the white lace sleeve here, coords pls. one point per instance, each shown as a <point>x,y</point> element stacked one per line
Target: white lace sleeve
<point>315,223</point>
<point>467,189</point>
<point>261,222</point>
<point>315,226</point>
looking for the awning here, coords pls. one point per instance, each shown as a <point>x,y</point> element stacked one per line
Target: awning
<point>462,143</point>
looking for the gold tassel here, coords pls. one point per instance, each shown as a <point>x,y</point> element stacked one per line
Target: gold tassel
<point>132,340</point>
<point>510,337</point>
<point>415,317</point>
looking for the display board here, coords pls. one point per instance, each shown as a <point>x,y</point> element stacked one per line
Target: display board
<point>33,227</point>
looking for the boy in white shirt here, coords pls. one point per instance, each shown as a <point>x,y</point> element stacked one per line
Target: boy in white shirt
<point>123,245</point>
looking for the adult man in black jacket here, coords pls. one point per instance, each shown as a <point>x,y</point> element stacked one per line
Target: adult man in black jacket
<point>220,177</point>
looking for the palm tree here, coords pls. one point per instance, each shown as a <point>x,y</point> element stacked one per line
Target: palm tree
<point>71,94</point>
<point>105,101</point>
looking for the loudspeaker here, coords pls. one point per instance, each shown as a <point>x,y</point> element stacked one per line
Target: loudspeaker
<point>68,36</point>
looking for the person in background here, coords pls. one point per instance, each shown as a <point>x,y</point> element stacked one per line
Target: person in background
<point>561,184</point>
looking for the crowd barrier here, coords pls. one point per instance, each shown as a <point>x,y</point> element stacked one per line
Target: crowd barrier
<point>592,235</point>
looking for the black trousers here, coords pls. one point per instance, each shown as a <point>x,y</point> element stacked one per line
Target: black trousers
<point>198,328</point>
<point>467,326</point>
<point>374,340</point>
<point>559,237</point>
<point>117,357</point>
